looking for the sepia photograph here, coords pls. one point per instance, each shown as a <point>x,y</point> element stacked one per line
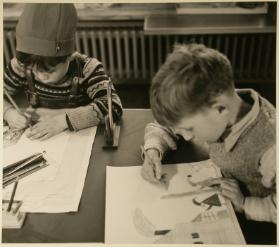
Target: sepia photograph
<point>139,123</point>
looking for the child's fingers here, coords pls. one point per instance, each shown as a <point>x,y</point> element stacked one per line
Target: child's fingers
<point>226,187</point>
<point>223,182</point>
<point>229,184</point>
<point>27,115</point>
<point>37,133</point>
<point>21,119</point>
<point>40,126</point>
<point>148,172</point>
<point>170,141</point>
<point>148,176</point>
<point>158,169</point>
<point>19,123</point>
<point>17,126</point>
<point>31,131</point>
<point>228,194</point>
<point>210,182</point>
<point>45,137</point>
<point>37,136</point>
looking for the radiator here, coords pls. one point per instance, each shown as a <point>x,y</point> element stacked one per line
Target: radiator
<point>127,53</point>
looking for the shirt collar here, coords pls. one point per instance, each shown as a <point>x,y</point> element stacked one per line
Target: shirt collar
<point>237,129</point>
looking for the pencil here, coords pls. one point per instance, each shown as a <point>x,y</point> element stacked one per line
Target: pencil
<point>162,179</point>
<point>12,102</point>
<point>15,105</point>
<point>12,196</point>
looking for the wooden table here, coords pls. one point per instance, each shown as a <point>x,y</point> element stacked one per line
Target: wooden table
<point>87,225</point>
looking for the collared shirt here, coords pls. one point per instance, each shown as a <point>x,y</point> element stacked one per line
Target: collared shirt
<point>237,129</point>
<point>260,209</point>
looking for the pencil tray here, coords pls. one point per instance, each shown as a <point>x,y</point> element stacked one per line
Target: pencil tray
<point>23,168</point>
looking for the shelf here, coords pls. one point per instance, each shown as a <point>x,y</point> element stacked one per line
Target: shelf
<point>116,11</point>
<point>208,24</point>
<point>218,8</point>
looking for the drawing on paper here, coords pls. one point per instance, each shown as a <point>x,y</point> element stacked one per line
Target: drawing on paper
<point>142,224</point>
<point>155,211</point>
<point>209,202</point>
<point>11,136</point>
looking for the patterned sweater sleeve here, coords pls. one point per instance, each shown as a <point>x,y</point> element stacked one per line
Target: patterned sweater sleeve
<point>159,137</point>
<point>95,82</point>
<point>13,81</point>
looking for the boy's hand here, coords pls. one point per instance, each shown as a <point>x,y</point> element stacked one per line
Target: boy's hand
<point>230,190</point>
<point>16,120</point>
<point>47,127</point>
<point>152,167</point>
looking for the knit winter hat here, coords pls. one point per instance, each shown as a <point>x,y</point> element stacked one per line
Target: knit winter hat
<point>47,29</point>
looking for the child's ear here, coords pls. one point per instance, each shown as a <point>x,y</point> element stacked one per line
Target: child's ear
<point>70,58</point>
<point>220,108</point>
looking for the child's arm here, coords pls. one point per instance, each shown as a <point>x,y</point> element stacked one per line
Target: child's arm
<point>159,137</point>
<point>264,209</point>
<point>255,208</point>
<point>157,140</point>
<point>96,82</point>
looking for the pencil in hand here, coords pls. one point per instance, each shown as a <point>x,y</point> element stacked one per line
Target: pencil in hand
<point>12,102</point>
<point>162,178</point>
<point>26,115</point>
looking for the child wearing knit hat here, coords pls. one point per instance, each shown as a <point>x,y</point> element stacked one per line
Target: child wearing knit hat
<point>67,90</point>
<point>193,96</point>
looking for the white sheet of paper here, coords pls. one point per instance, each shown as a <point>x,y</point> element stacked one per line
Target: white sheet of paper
<point>58,187</point>
<point>25,147</point>
<point>135,209</point>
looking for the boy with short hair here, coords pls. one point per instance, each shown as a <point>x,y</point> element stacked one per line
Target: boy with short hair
<point>66,89</point>
<point>193,96</point>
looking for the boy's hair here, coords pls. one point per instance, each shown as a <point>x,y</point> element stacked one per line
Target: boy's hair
<point>189,81</point>
<point>42,62</point>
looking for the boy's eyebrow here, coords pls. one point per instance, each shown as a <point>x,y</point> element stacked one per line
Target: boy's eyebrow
<point>46,68</point>
<point>182,128</point>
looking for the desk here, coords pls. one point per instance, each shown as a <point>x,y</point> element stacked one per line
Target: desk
<point>87,225</point>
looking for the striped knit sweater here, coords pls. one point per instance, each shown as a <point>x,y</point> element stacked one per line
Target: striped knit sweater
<point>93,83</point>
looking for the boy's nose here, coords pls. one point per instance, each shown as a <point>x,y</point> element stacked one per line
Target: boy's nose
<point>187,135</point>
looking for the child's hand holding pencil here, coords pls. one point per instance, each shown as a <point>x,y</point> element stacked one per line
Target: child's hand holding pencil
<point>152,167</point>
<point>15,118</point>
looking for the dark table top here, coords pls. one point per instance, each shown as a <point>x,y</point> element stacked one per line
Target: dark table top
<point>88,224</point>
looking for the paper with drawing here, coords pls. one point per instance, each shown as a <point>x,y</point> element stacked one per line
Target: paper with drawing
<point>57,187</point>
<point>139,212</point>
